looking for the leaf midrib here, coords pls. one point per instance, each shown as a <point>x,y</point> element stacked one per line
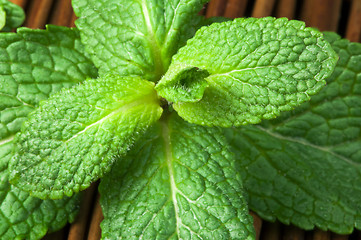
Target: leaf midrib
<point>306,143</point>
<point>7,139</point>
<point>154,46</point>
<point>124,108</point>
<point>169,160</point>
<point>242,70</point>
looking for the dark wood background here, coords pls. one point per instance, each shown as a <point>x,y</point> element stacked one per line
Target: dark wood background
<point>342,16</point>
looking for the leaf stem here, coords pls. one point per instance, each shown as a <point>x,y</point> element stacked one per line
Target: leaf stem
<point>159,68</point>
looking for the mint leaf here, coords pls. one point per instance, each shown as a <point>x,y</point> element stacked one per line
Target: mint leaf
<point>189,78</point>
<point>24,55</point>
<point>75,134</point>
<point>13,16</point>
<point>2,17</point>
<point>136,37</point>
<point>178,182</point>
<point>257,68</point>
<point>210,20</point>
<point>26,217</point>
<point>35,64</point>
<point>304,167</point>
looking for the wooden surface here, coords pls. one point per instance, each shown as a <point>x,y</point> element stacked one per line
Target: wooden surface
<point>342,16</point>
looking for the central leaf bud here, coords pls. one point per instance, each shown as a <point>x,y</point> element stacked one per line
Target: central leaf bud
<point>186,85</point>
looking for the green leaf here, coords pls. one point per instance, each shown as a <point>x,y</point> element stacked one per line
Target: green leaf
<point>26,217</point>
<point>178,182</point>
<point>304,168</point>
<point>2,17</point>
<point>187,86</point>
<point>35,64</point>
<point>13,16</point>
<point>74,135</point>
<point>24,55</point>
<point>257,68</point>
<point>136,37</point>
<point>216,19</point>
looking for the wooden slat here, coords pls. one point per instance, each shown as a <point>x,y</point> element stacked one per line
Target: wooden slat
<point>263,8</point>
<point>62,14</point>
<point>235,8</point>
<point>271,231</point>
<point>335,236</point>
<point>216,8</point>
<point>21,3</point>
<point>322,14</point>
<point>353,32</point>
<point>321,235</point>
<point>97,218</point>
<point>59,235</point>
<point>306,11</point>
<point>38,13</point>
<point>286,8</point>
<point>72,20</point>
<point>257,223</point>
<point>79,227</point>
<point>293,233</point>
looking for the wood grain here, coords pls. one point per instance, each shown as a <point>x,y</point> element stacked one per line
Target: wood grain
<point>97,218</point>
<point>62,13</point>
<point>58,235</point>
<point>79,227</point>
<point>353,32</point>
<point>72,20</point>
<point>38,13</point>
<point>335,236</point>
<point>322,14</point>
<point>286,8</point>
<point>235,8</point>
<point>216,8</point>
<point>271,231</point>
<point>263,8</point>
<point>293,233</point>
<point>21,3</point>
<point>321,235</point>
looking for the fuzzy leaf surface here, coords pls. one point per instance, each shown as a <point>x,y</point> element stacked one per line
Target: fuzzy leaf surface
<point>136,37</point>
<point>14,15</point>
<point>304,168</point>
<point>178,182</point>
<point>23,56</point>
<point>257,68</point>
<point>72,138</point>
<point>26,217</point>
<point>35,64</point>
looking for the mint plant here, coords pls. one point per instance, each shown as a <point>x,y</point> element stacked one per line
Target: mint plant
<point>186,124</point>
